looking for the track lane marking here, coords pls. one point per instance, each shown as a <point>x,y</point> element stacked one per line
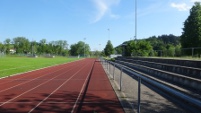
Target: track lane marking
<point>34,79</point>
<point>19,74</point>
<point>30,89</point>
<point>57,89</point>
<point>53,66</point>
<point>61,102</point>
<point>14,68</point>
<point>81,91</point>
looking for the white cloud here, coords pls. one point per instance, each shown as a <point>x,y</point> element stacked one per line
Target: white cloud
<point>181,6</point>
<point>103,7</point>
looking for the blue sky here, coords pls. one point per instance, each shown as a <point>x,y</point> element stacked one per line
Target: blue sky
<point>74,20</point>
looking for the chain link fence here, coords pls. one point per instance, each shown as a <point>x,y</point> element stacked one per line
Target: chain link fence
<point>2,54</point>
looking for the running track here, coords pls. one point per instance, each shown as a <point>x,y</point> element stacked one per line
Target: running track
<point>76,87</point>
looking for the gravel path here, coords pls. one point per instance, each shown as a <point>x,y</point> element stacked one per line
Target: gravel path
<point>151,102</point>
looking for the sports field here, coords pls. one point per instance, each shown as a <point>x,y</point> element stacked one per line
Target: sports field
<point>14,65</point>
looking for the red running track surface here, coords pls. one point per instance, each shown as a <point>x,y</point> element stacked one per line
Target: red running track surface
<point>80,86</point>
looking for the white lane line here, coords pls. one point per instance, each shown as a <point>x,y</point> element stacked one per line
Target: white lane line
<point>81,91</point>
<point>14,68</point>
<point>17,102</point>
<point>60,102</point>
<point>31,89</point>
<point>33,79</point>
<point>57,65</point>
<point>56,89</point>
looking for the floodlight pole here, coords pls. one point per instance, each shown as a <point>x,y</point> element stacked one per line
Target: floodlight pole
<point>99,47</point>
<point>108,34</point>
<point>139,79</point>
<point>84,46</point>
<point>32,47</point>
<point>135,20</point>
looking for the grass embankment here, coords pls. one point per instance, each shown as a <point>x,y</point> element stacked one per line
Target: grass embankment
<point>14,65</point>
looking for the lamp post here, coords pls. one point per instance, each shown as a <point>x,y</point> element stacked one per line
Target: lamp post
<point>100,47</point>
<point>17,48</point>
<point>32,47</point>
<point>135,20</point>
<point>139,81</point>
<point>108,34</point>
<point>84,46</point>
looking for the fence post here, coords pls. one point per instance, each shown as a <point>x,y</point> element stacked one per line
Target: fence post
<point>120,79</point>
<point>113,71</point>
<point>139,94</point>
<point>192,52</point>
<point>107,65</point>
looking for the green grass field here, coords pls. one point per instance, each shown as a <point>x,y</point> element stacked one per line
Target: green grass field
<point>14,65</point>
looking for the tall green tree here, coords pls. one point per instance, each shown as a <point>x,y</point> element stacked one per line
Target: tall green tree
<point>109,48</point>
<point>138,48</point>
<point>143,48</point>
<point>80,48</point>
<point>191,36</point>
<point>22,45</point>
<point>43,46</point>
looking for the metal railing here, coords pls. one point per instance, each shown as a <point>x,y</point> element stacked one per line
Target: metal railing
<point>122,68</point>
<point>140,77</point>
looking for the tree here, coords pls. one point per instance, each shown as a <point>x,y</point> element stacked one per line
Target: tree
<point>143,48</point>
<point>191,36</point>
<point>169,39</point>
<point>170,50</point>
<point>43,46</point>
<point>130,49</point>
<point>80,48</point>
<point>1,47</point>
<point>118,50</point>
<point>73,50</point>
<point>138,48</point>
<point>7,43</point>
<point>109,48</point>
<point>22,45</point>
<point>97,53</point>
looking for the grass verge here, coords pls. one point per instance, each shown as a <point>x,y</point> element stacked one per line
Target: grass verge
<point>14,65</point>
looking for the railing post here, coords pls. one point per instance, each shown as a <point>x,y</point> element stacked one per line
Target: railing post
<point>107,65</point>
<point>113,71</point>
<point>139,94</point>
<point>120,79</point>
<point>192,52</point>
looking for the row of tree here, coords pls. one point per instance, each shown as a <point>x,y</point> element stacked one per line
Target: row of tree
<point>22,45</point>
<point>152,46</point>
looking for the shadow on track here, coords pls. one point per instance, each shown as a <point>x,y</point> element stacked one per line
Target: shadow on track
<point>62,102</point>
